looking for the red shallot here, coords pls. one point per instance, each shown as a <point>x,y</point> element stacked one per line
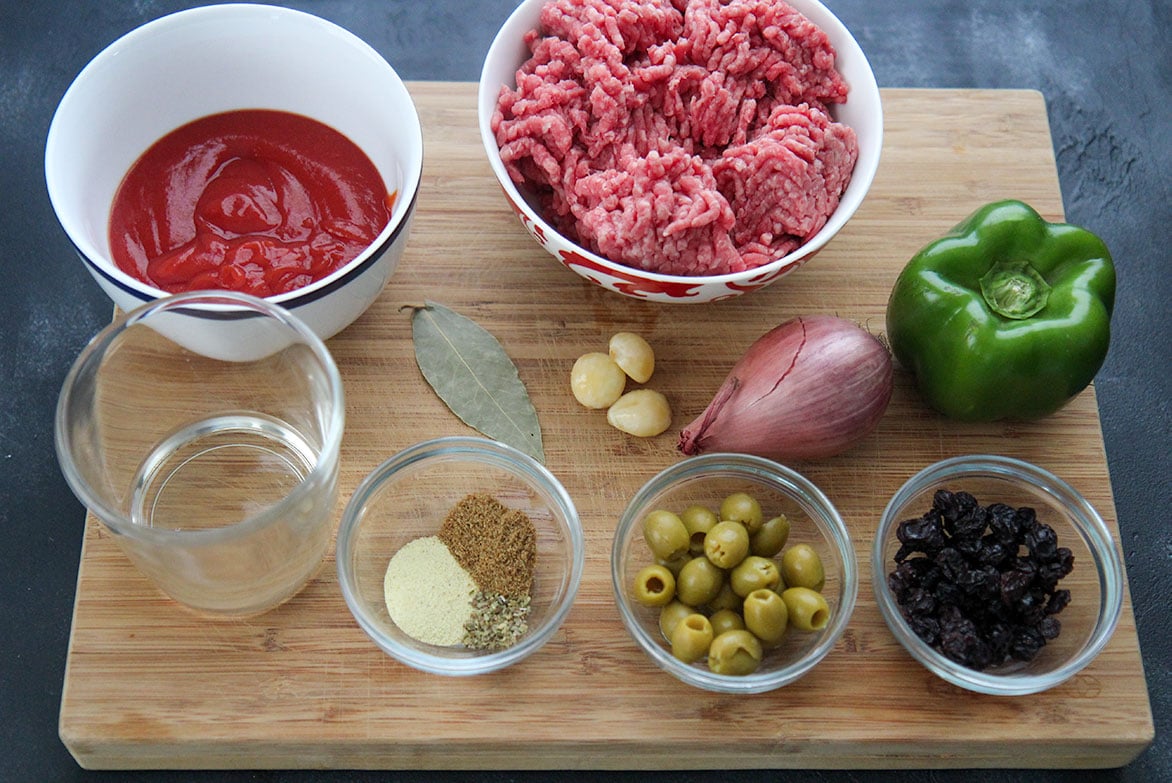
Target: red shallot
<point>812,387</point>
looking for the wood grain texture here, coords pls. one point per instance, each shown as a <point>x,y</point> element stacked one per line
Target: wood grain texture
<point>149,684</point>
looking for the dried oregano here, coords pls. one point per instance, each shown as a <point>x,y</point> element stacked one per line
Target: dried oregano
<point>497,621</point>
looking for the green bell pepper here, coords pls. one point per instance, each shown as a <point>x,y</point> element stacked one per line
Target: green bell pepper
<point>1005,317</point>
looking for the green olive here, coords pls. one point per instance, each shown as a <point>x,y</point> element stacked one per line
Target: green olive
<point>655,585</point>
<point>735,653</point>
<point>665,534</point>
<point>726,544</point>
<point>691,638</point>
<point>744,508</point>
<point>698,520</point>
<point>801,567</point>
<point>771,537</point>
<point>808,610</point>
<point>725,599</point>
<point>699,581</point>
<point>754,573</point>
<point>727,620</point>
<point>766,615</point>
<point>675,564</point>
<point>672,614</point>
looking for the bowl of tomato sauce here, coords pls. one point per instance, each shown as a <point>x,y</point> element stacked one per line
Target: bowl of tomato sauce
<point>238,147</point>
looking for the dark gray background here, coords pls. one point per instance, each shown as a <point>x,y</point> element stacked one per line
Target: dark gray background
<point>1104,70</point>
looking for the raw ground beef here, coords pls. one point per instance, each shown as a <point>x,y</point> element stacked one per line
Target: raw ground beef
<point>689,137</point>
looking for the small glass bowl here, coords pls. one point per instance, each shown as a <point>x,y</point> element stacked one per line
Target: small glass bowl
<point>706,480</point>
<point>408,497</point>
<point>1096,583</point>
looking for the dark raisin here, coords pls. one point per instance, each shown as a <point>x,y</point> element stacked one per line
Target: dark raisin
<point>970,525</point>
<point>1027,519</point>
<point>992,552</point>
<point>1000,641</point>
<point>945,502</point>
<point>904,552</point>
<point>920,601</point>
<point>1027,643</point>
<point>1031,607</point>
<point>1003,524</point>
<point>1050,627</point>
<point>922,535</point>
<point>928,572</point>
<point>905,577</point>
<point>966,503</point>
<point>980,583</point>
<point>1042,543</point>
<point>927,628</point>
<point>989,584</point>
<point>969,548</point>
<point>1014,585</point>
<point>960,642</point>
<point>898,584</point>
<point>1025,565</point>
<point>1058,601</point>
<point>1049,574</point>
<point>952,563</point>
<point>947,593</point>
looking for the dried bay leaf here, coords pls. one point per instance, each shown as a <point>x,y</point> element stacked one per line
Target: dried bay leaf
<point>470,371</point>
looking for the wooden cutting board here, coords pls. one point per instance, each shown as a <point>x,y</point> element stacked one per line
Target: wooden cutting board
<point>149,684</point>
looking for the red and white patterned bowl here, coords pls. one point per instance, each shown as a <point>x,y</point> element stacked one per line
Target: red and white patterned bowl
<point>862,112</point>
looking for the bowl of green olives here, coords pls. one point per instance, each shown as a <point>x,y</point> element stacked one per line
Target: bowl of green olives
<point>996,575</point>
<point>733,573</point>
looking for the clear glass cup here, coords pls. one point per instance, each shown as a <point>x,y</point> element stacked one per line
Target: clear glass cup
<point>203,430</point>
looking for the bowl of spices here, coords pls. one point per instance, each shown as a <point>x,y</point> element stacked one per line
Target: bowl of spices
<point>733,573</point>
<point>996,575</point>
<point>460,555</point>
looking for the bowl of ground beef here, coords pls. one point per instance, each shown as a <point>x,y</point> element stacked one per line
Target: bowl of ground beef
<point>680,150</point>
<point>996,575</point>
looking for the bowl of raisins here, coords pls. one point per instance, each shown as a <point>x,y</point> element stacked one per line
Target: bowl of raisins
<point>733,573</point>
<point>996,575</point>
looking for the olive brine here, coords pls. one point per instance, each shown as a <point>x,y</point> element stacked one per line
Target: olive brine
<point>726,586</point>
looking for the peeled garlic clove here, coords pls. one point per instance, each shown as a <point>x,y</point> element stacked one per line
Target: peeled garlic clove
<point>634,355</point>
<point>643,413</point>
<point>596,381</point>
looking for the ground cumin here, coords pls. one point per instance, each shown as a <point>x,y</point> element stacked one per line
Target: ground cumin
<point>495,544</point>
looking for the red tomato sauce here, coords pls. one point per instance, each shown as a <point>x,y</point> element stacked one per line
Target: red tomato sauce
<point>257,201</point>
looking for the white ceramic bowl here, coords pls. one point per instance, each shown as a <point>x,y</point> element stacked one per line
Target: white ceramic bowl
<point>206,60</point>
<point>863,112</point>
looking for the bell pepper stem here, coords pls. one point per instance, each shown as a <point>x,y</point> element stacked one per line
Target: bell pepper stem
<point>1014,289</point>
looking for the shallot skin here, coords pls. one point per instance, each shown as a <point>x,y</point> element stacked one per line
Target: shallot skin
<point>809,388</point>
